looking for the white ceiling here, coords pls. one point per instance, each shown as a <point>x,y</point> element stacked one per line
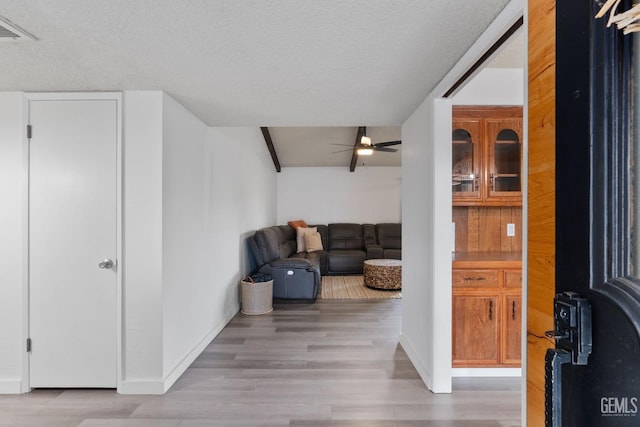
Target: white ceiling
<point>315,146</point>
<point>301,63</point>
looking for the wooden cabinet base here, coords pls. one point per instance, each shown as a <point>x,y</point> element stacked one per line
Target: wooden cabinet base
<point>487,315</point>
<point>477,329</point>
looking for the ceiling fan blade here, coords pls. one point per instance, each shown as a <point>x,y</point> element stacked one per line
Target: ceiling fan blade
<point>384,149</point>
<point>387,143</point>
<point>341,151</point>
<point>342,145</point>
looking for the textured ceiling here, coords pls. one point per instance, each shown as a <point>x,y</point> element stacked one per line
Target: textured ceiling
<point>249,63</point>
<point>333,146</point>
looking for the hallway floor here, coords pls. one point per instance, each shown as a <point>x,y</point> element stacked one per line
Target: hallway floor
<point>332,363</point>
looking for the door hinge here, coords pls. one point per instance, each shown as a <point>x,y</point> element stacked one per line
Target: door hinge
<point>28,345</point>
<point>29,131</point>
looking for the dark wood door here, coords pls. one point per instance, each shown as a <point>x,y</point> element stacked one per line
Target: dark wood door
<point>595,237</point>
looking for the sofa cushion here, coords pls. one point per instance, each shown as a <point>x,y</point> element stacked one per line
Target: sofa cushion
<point>389,235</point>
<point>268,243</point>
<point>375,252</point>
<point>318,258</point>
<point>273,243</point>
<point>369,234</point>
<point>345,236</point>
<point>286,249</point>
<point>392,253</point>
<point>346,261</point>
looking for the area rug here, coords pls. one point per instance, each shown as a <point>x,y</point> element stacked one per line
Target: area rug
<point>351,287</point>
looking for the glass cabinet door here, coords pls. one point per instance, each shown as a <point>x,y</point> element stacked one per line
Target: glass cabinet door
<point>466,157</point>
<point>505,158</point>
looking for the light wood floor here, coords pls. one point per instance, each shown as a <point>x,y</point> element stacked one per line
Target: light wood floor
<point>332,363</point>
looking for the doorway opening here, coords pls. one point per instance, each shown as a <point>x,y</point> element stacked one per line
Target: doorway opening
<point>488,167</point>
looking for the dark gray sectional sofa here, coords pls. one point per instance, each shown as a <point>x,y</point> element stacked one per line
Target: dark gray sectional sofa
<point>346,246</point>
<point>389,242</point>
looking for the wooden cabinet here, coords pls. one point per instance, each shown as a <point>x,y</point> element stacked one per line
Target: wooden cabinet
<point>476,329</point>
<point>466,153</point>
<point>487,314</point>
<point>512,329</point>
<point>487,156</point>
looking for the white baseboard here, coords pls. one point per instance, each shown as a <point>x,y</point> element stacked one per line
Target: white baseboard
<point>186,361</point>
<point>141,387</point>
<point>10,387</point>
<point>161,387</point>
<point>416,361</point>
<point>486,372</point>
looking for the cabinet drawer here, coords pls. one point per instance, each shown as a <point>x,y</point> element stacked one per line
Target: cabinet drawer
<point>513,278</point>
<point>475,278</point>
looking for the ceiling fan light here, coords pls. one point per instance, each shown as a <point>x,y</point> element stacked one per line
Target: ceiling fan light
<point>364,151</point>
<point>365,140</point>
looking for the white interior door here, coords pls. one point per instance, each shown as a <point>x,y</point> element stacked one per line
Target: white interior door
<point>72,228</point>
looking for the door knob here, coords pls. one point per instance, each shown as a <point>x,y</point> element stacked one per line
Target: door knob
<point>107,263</point>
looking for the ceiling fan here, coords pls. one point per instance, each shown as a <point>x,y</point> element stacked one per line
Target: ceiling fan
<point>365,148</point>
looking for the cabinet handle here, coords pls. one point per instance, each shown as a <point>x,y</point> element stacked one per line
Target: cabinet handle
<point>491,181</point>
<point>490,309</point>
<point>514,312</point>
<point>475,278</point>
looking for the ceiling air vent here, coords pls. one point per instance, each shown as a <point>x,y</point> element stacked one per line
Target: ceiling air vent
<point>10,32</point>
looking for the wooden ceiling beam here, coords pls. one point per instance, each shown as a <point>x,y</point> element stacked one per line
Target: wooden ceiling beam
<point>272,150</point>
<point>354,156</point>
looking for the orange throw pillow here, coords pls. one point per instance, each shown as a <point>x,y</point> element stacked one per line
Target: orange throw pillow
<point>297,224</point>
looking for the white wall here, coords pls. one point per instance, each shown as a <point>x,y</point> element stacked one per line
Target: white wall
<point>142,242</point>
<point>426,219</point>
<point>326,195</point>
<point>12,346</point>
<point>188,293</point>
<point>242,197</point>
<point>426,270</point>
<point>493,86</point>
<point>210,205</point>
<point>188,209</point>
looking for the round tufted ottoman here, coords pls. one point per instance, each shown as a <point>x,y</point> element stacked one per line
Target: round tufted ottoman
<point>383,273</point>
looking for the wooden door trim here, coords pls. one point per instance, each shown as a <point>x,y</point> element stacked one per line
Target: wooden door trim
<point>541,200</point>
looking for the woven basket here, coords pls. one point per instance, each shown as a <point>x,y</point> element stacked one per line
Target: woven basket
<point>257,297</point>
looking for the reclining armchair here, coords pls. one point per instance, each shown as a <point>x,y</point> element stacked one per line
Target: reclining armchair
<point>294,277</point>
